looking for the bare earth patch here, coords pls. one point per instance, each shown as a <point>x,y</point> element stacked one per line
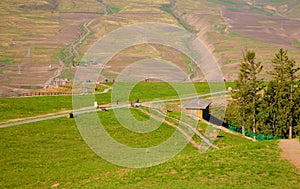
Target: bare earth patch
<point>291,151</point>
<point>270,29</point>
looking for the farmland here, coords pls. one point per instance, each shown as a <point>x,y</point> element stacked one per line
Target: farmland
<point>36,35</point>
<point>228,27</point>
<point>32,36</point>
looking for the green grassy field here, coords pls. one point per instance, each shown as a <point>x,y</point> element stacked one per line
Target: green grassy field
<point>53,153</point>
<point>43,154</point>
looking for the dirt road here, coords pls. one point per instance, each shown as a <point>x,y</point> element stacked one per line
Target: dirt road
<point>291,151</point>
<point>73,52</point>
<point>56,74</point>
<point>104,5</point>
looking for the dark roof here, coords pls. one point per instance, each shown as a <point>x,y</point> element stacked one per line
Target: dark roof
<point>198,104</point>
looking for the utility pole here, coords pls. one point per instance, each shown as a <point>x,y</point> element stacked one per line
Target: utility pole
<point>19,68</point>
<point>29,53</point>
<point>281,25</point>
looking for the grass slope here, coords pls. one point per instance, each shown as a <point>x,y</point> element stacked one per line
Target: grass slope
<point>52,153</point>
<point>42,154</point>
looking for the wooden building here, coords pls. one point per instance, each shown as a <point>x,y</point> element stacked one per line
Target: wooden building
<point>198,107</point>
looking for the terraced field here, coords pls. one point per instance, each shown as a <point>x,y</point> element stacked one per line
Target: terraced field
<point>49,29</point>
<point>32,35</point>
<point>229,27</point>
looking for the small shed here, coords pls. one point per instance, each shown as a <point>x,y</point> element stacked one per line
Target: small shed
<point>199,107</point>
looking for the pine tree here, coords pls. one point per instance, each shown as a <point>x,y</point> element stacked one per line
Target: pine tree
<point>247,95</point>
<point>296,111</point>
<point>284,76</point>
<point>268,107</point>
<point>241,97</point>
<point>291,71</point>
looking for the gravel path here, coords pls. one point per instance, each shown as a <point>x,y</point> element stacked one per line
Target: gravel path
<point>291,151</point>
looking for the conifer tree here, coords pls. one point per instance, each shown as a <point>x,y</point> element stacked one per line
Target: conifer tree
<point>247,95</point>
<point>283,103</point>
<point>268,109</point>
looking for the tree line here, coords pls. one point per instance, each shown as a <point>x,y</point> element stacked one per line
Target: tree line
<point>267,107</point>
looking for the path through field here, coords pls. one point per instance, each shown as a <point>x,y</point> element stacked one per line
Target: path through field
<point>291,151</point>
<point>104,5</point>
<point>56,74</point>
<point>189,138</point>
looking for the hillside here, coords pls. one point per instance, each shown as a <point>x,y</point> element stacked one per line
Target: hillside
<point>39,39</point>
<point>232,26</point>
<point>52,153</point>
<point>32,35</point>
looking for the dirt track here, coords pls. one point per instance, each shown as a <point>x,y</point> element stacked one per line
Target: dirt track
<point>291,151</point>
<point>56,74</point>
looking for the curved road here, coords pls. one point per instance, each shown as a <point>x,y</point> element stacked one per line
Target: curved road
<point>72,50</point>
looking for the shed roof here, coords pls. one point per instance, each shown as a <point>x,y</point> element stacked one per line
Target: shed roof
<point>198,104</point>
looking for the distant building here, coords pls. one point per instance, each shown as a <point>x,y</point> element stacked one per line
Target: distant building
<point>60,82</point>
<point>198,107</point>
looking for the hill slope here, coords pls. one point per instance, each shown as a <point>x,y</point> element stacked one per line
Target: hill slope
<point>48,29</point>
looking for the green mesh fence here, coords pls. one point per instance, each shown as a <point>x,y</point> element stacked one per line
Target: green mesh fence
<point>259,137</point>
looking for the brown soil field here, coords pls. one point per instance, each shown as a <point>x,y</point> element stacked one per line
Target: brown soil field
<point>228,32</point>
<point>44,33</point>
<point>269,29</point>
<point>50,29</point>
